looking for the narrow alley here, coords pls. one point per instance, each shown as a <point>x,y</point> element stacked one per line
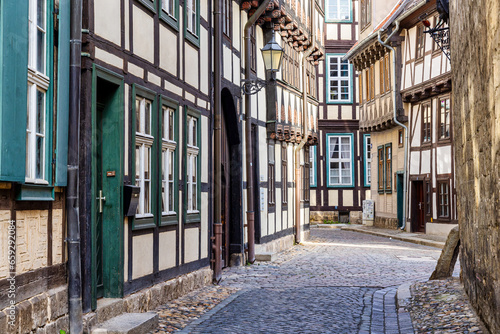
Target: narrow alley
<point>336,282</point>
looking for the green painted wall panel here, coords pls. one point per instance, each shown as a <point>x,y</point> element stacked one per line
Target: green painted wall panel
<point>63,94</point>
<point>13,89</point>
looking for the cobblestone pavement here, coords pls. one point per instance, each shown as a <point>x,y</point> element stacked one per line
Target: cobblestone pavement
<point>336,282</point>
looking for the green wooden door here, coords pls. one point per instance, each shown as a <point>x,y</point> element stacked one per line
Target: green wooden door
<point>107,187</point>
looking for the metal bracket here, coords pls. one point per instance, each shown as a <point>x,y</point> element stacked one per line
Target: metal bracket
<point>252,86</point>
<point>442,38</point>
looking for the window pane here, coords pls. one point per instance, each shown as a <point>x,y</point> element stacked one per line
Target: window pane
<point>138,115</point>
<point>39,157</point>
<point>147,118</point>
<point>137,162</point>
<point>40,112</point>
<point>171,124</point>
<point>40,51</point>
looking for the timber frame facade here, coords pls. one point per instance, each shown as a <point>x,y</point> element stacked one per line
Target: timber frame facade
<point>334,197</point>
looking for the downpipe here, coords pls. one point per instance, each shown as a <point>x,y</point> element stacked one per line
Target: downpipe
<point>248,136</point>
<point>305,129</point>
<point>72,198</point>
<point>394,91</point>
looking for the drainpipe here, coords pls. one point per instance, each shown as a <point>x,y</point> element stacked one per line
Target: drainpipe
<point>248,136</point>
<point>217,246</point>
<point>304,126</point>
<point>73,238</point>
<point>395,92</point>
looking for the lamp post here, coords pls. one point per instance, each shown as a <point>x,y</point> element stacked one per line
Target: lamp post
<point>272,53</point>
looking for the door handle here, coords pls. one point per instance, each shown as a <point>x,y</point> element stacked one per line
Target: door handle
<point>101,199</point>
<point>420,205</point>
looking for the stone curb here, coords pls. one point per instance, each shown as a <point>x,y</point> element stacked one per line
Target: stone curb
<point>206,316</point>
<point>339,226</point>
<point>417,241</point>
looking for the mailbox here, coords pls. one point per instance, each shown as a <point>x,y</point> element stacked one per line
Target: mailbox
<point>130,199</point>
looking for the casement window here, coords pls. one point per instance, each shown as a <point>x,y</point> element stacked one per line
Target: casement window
<point>226,17</point>
<point>313,166</point>
<point>339,82</point>
<point>193,150</point>
<point>443,199</point>
<point>338,10</point>
<point>401,137</point>
<point>360,89</point>
<point>306,175</point>
<point>426,124</point>
<point>144,141</point>
<point>388,168</point>
<point>168,154</point>
<point>271,186</point>
<point>368,159</point>
<point>387,73</point>
<point>340,160</point>
<point>444,118</point>
<point>170,12</point>
<point>372,82</point>
<point>385,82</point>
<point>366,13</point>
<point>381,169</point>
<point>284,174</point>
<point>38,85</point>
<point>192,21</point>
<point>420,42</point>
<point>150,4</point>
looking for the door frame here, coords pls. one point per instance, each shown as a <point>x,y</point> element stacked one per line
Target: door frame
<point>113,252</point>
<point>400,197</point>
<point>417,216</point>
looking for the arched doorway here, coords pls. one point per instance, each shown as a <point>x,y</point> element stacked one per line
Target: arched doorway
<point>231,180</point>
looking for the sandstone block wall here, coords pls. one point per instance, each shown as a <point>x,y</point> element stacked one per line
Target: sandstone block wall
<point>475,59</point>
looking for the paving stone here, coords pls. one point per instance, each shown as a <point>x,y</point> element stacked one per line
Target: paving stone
<point>336,282</point>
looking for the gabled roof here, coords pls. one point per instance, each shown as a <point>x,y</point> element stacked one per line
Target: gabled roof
<point>402,8</point>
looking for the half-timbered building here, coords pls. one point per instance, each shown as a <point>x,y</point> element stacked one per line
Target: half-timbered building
<point>380,106</point>
<point>34,74</point>
<point>342,178</point>
<point>426,92</point>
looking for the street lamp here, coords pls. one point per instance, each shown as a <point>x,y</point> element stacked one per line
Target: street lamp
<point>272,53</point>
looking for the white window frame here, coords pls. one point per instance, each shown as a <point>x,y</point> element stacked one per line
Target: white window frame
<point>368,153</point>
<point>143,142</point>
<point>336,81</point>
<point>38,83</point>
<point>333,10</point>
<point>193,152</point>
<point>168,148</point>
<point>312,166</point>
<point>331,138</point>
<point>191,17</point>
<point>168,6</point>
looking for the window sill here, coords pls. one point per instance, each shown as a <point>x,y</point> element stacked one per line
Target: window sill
<point>143,223</point>
<point>170,20</point>
<point>169,219</point>
<point>192,218</point>
<point>28,192</point>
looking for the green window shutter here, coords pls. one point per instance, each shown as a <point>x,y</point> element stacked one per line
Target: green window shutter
<point>63,95</point>
<point>13,89</point>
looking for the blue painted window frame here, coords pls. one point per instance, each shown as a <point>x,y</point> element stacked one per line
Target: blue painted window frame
<point>327,150</point>
<point>351,74</point>
<point>313,182</point>
<point>327,12</point>
<point>367,183</point>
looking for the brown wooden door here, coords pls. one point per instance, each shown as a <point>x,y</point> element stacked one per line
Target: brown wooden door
<point>225,189</point>
<point>418,207</point>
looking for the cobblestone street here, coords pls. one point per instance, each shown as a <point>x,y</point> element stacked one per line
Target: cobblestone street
<point>336,282</point>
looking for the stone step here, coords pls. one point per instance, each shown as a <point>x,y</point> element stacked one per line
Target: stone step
<point>266,257</point>
<point>128,323</point>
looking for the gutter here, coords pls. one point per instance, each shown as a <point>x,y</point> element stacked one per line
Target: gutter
<point>304,125</point>
<point>72,198</point>
<point>248,136</point>
<point>395,92</point>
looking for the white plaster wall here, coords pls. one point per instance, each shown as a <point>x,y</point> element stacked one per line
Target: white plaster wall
<point>4,243</point>
<point>191,244</point>
<point>237,34</point>
<point>125,249</point>
<point>108,58</point>
<point>191,63</point>
<point>414,163</point>
<point>346,32</point>
<point>143,37</point>
<point>227,63</point>
<point>204,63</point>
<point>168,50</point>
<point>332,31</point>
<point>107,20</point>
<point>333,197</point>
<point>57,236</point>
<point>348,197</point>
<point>418,73</point>
<point>443,160</point>
<point>426,162</point>
<point>436,66</point>
<point>204,149</point>
<point>236,70</point>
<point>167,250</point>
<point>204,225</point>
<point>142,258</point>
<point>346,112</point>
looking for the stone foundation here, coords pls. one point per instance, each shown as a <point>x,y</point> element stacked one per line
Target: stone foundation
<point>47,312</point>
<point>355,217</point>
<point>276,246</point>
<point>385,222</point>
